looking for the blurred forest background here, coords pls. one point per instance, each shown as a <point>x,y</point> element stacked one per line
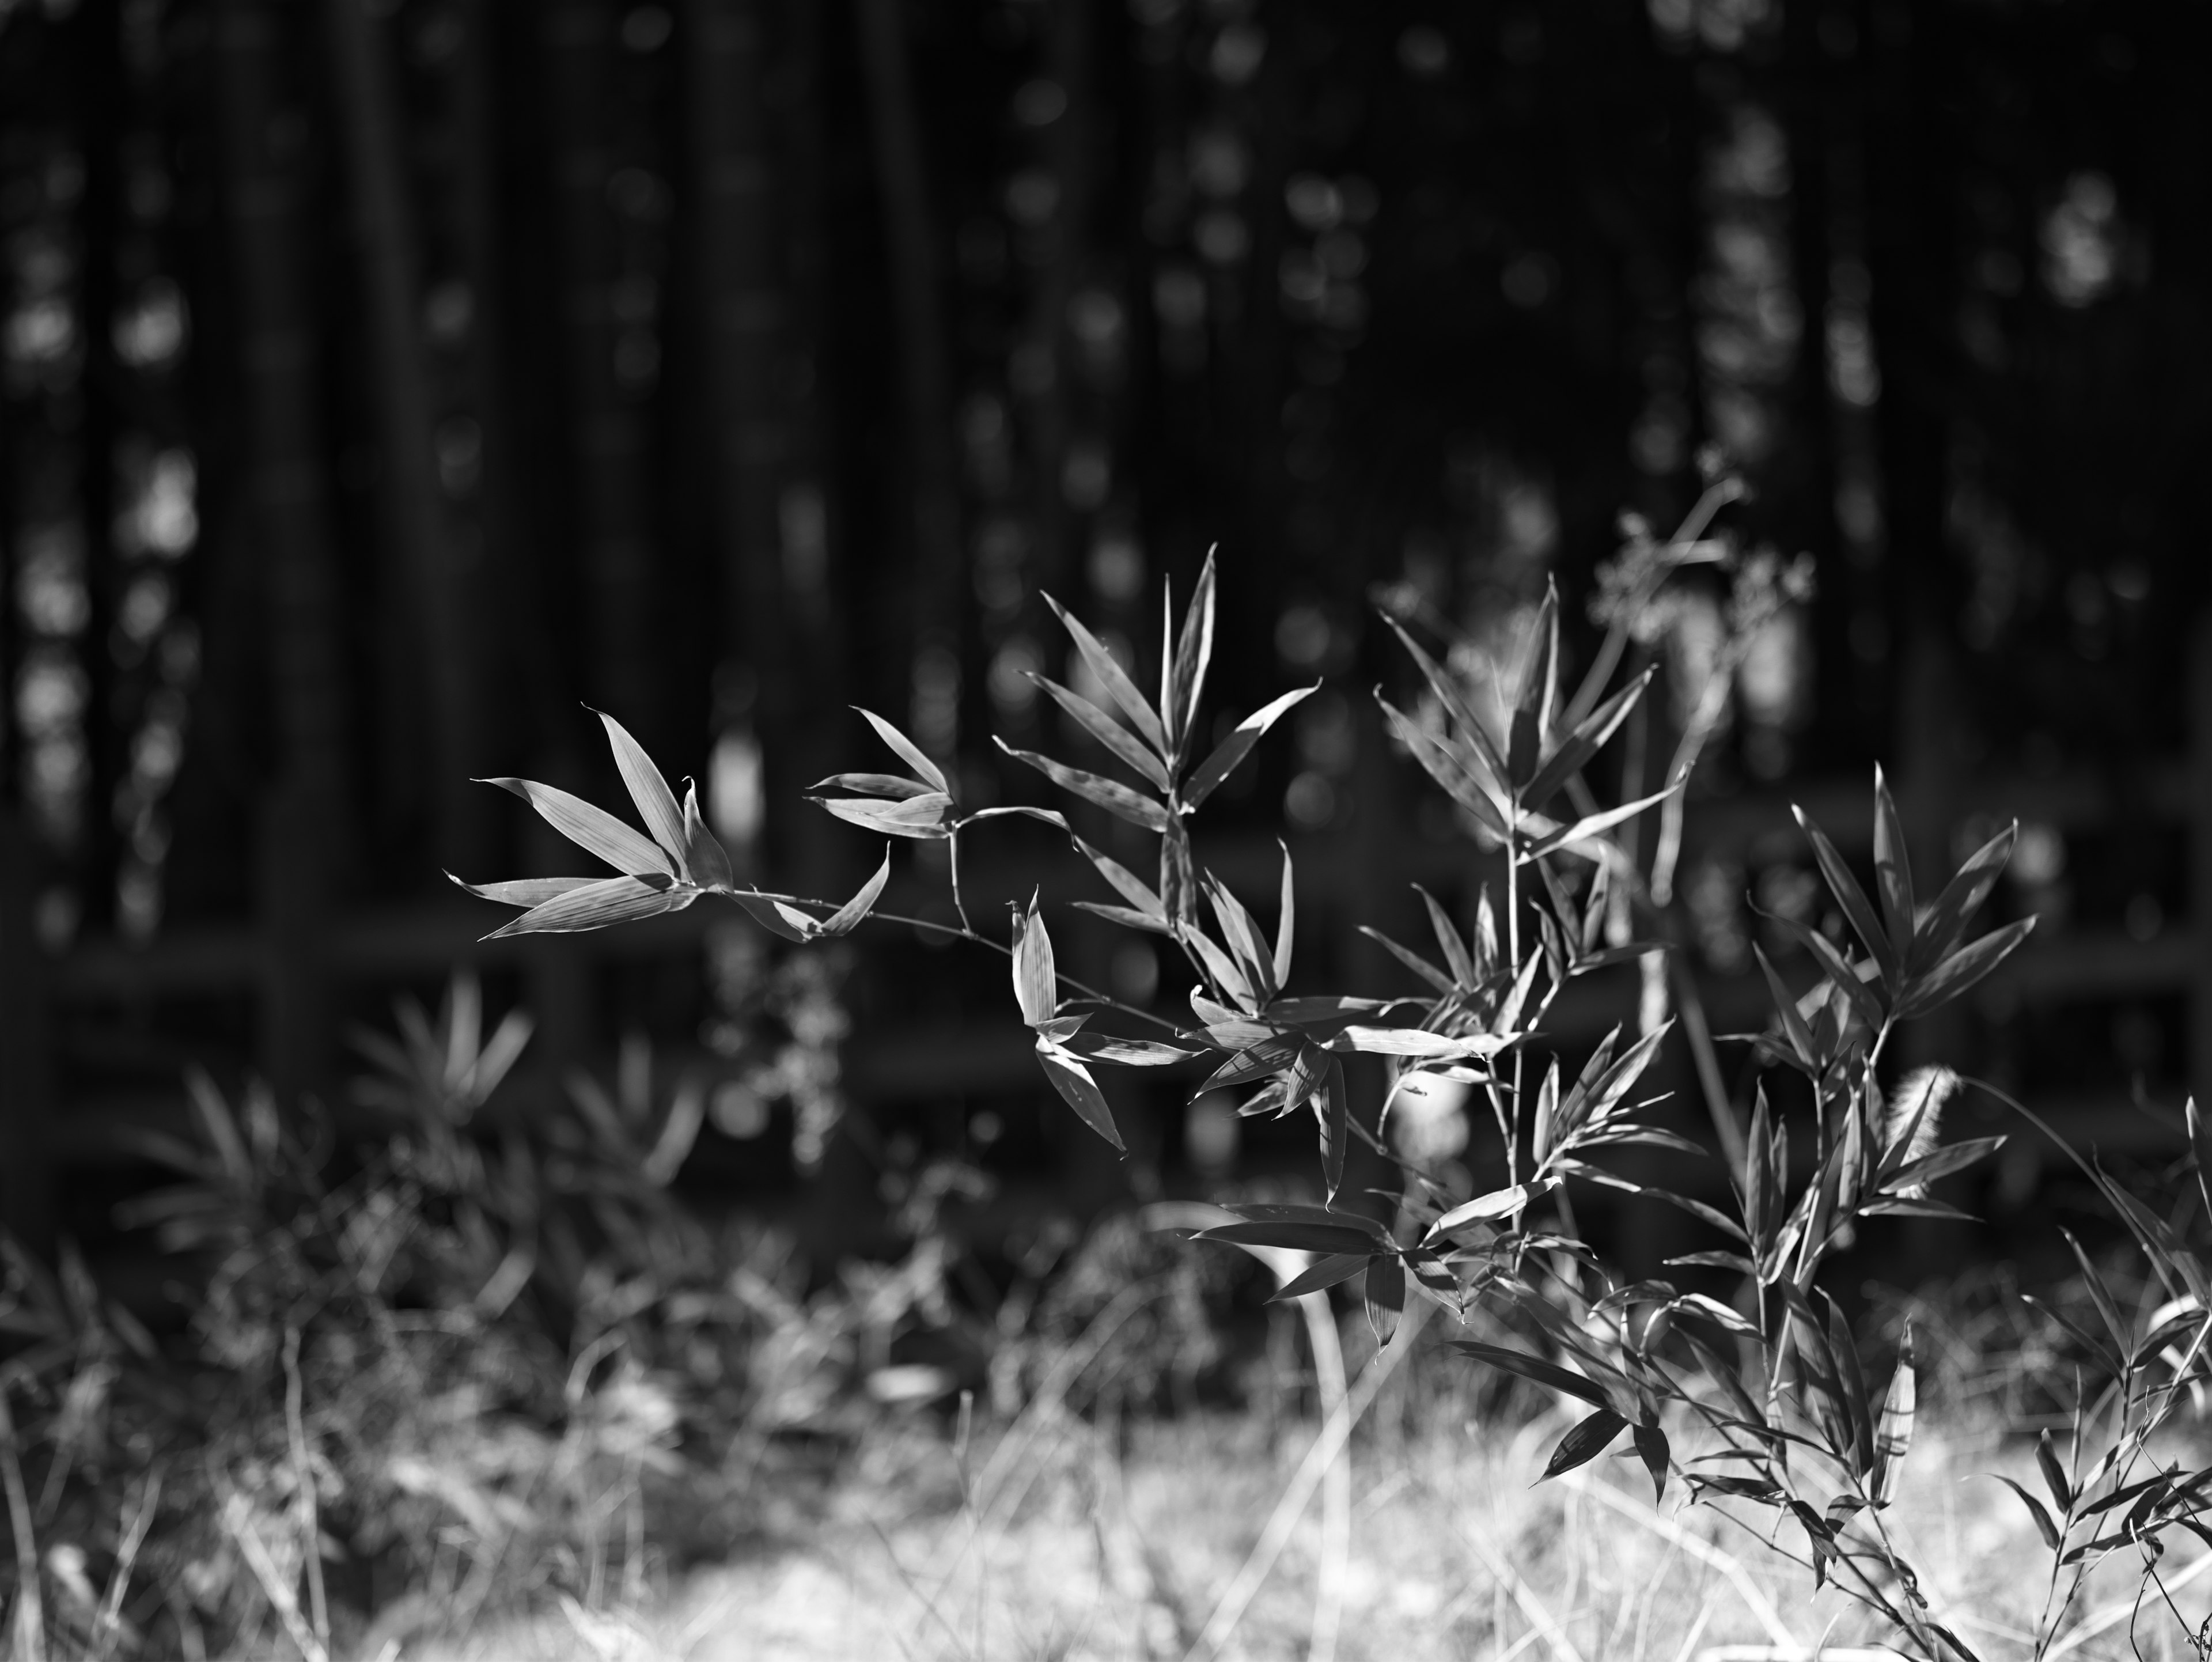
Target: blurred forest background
<point>383,380</point>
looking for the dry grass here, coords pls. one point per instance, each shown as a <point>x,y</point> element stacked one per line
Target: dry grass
<point>1090,1554</point>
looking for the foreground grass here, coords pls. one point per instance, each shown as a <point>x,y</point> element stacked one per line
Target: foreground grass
<point>1064,1548</point>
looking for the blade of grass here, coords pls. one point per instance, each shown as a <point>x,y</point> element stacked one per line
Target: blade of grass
<point>1237,1597</point>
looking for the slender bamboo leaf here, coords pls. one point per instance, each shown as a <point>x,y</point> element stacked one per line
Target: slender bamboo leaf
<point>1651,1448</point>
<point>1498,1204</point>
<point>1106,730</point>
<point>524,890</point>
<point>1892,868</point>
<point>1326,1273</point>
<point>1129,1052</point>
<point>1445,768</point>
<point>1420,966</point>
<point>656,803</point>
<point>1893,1436</point>
<point>1206,778</point>
<point>909,752</point>
<point>1332,1110</point>
<point>1384,1295</point>
<point>1194,652</point>
<point>848,916</point>
<point>1286,920</point>
<point>919,816</point>
<point>875,784</point>
<point>596,905</point>
<point>1491,775</point>
<point>1574,754</point>
<point>1455,949</point>
<point>1583,828</point>
<point>1116,799</point>
<point>1304,1212</point>
<point>1081,1091</point>
<point>1330,1239</point>
<point>1114,679</point>
<point>1536,697</point>
<point>1853,900</point>
<point>1962,897</point>
<point>704,856</point>
<point>1131,887</point>
<point>775,917</point>
<point>594,830</point>
<point>1537,1371</point>
<point>2043,1526</point>
<point>1037,985</point>
<point>1590,1437</point>
<point>1962,970</point>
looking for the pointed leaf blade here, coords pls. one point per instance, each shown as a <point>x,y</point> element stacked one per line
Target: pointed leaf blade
<point>597,906</point>
<point>909,752</point>
<point>1080,1091</point>
<point>704,856</point>
<point>848,916</point>
<point>525,892</point>
<point>1218,766</point>
<point>656,803</point>
<point>1116,799</point>
<point>1036,984</point>
<point>1107,731</point>
<point>1113,678</point>
<point>1589,1438</point>
<point>591,829</point>
<point>1194,652</point>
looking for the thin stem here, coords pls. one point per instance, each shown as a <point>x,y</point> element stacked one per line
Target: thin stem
<point>959,904</point>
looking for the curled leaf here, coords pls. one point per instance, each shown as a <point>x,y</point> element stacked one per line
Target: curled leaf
<point>1036,986</point>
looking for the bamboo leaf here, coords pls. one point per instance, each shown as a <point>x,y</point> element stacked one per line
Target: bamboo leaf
<point>594,830</point>
<point>919,816</point>
<point>1331,1239</point>
<point>909,752</point>
<point>1417,1041</point>
<point>1588,1439</point>
<point>2054,1474</point>
<point>1218,766</point>
<point>656,803</point>
<point>1267,1056</point>
<point>1036,987</point>
<point>1536,697</point>
<point>1961,898</point>
<point>1575,752</point>
<point>1333,1108</point>
<point>1420,966</point>
<point>1893,1435</point>
<point>776,917</point>
<point>1116,799</point>
<point>524,890</point>
<point>1305,1211</point>
<point>1498,1204</point>
<point>2043,1527</point>
<point>1286,920</point>
<point>1962,970</point>
<point>1852,898</point>
<point>1445,767</point>
<point>1194,652</point>
<point>1385,1295</point>
<point>1892,868</point>
<point>1126,883</point>
<point>1455,706</point>
<point>1081,1091</point>
<point>704,856</point>
<point>1652,1447</point>
<point>1537,1371</point>
<point>1129,1052</point>
<point>1567,836</point>
<point>596,905</point>
<point>1455,949</point>
<point>1841,973</point>
<point>1114,679</point>
<point>1106,730</point>
<point>1242,933</point>
<point>1326,1273</point>
<point>1227,975</point>
<point>875,784</point>
<point>848,916</point>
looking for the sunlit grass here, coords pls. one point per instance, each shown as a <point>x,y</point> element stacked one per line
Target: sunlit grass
<point>1087,1550</point>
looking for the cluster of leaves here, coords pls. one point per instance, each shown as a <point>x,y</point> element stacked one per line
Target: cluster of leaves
<point>1791,1421</point>
<point>441,1346</point>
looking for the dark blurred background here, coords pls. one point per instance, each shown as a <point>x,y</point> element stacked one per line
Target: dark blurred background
<point>383,382</point>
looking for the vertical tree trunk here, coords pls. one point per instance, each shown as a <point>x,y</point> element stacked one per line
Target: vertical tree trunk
<point>607,438</point>
<point>740,304</point>
<point>926,377</point>
<point>304,827</point>
<point>415,511</point>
